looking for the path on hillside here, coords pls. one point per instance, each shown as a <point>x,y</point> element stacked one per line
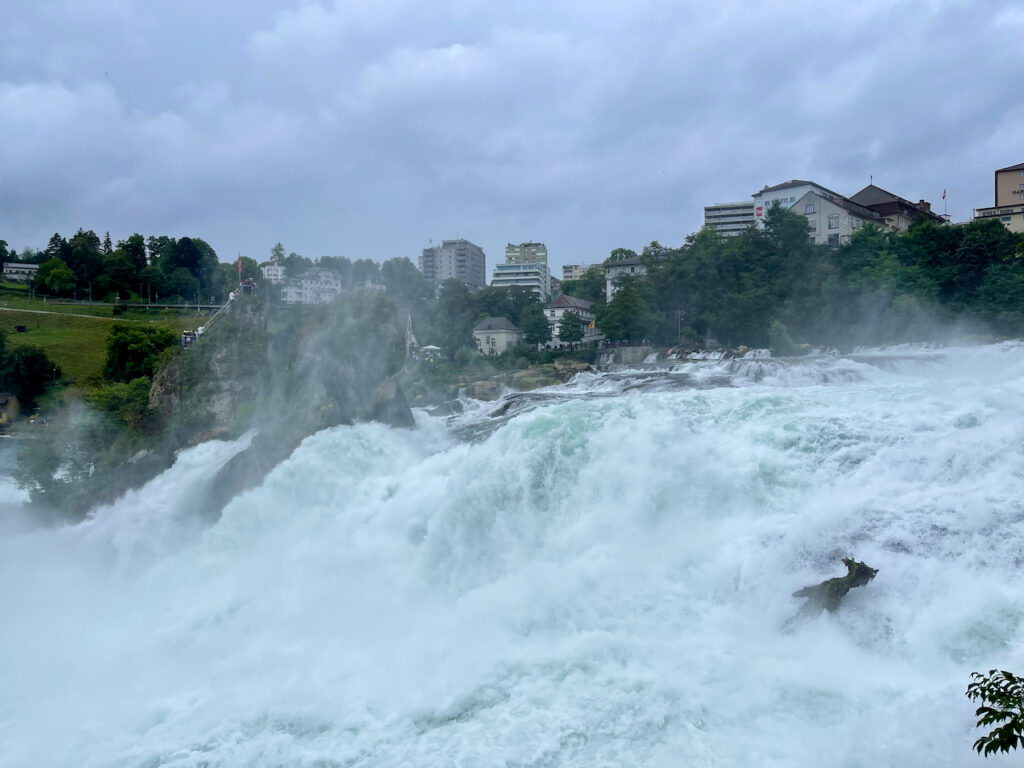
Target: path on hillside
<point>73,314</point>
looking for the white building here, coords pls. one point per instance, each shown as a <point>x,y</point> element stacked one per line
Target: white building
<point>494,335</point>
<point>832,220</point>
<point>616,269</point>
<point>316,286</point>
<point>21,272</point>
<point>729,218</point>
<point>534,276</point>
<point>557,309</point>
<point>787,193</point>
<point>273,273</point>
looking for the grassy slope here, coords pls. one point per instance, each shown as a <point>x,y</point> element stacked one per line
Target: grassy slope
<point>77,344</point>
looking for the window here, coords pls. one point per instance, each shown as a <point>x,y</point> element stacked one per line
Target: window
<point>833,221</point>
<point>809,208</point>
<point>833,240</point>
<point>812,225</point>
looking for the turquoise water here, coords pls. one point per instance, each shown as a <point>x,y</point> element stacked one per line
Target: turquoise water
<point>601,580</point>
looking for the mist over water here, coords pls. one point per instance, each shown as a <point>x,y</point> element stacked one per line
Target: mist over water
<point>598,575</point>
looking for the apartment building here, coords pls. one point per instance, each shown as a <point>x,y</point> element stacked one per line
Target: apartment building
<point>526,253</point>
<point>315,286</point>
<point>833,219</point>
<point>532,275</point>
<point>455,260</point>
<point>729,219</point>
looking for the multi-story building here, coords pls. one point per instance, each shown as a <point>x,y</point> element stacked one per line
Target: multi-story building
<point>455,260</point>
<point>526,253</point>
<point>787,193</point>
<point>1009,198</point>
<point>14,270</point>
<point>898,213</point>
<point>315,286</point>
<point>729,218</point>
<point>534,276</point>
<point>832,220</point>
<point>273,272</point>
<point>613,270</point>
<point>575,271</point>
<point>581,307</point>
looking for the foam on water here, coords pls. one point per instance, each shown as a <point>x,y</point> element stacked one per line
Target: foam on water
<point>601,581</point>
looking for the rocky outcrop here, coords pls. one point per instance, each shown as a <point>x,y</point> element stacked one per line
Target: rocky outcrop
<point>827,595</point>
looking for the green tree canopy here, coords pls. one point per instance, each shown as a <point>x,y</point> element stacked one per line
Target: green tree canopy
<point>590,286</point>
<point>136,350</point>
<point>1001,696</point>
<point>534,324</point>
<point>25,372</point>
<point>571,328</point>
<point>55,277</point>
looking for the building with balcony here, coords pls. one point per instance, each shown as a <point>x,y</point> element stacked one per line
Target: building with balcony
<point>581,307</point>
<point>315,286</point>
<point>15,270</point>
<point>526,253</point>
<point>1009,199</point>
<point>729,219</point>
<point>455,260</point>
<point>533,275</point>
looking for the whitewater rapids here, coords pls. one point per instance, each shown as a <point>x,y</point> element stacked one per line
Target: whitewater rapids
<point>598,576</point>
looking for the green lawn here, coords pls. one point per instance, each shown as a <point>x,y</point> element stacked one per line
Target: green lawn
<point>77,344</point>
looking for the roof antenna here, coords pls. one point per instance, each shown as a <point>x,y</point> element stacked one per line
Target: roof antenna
<point>872,179</point>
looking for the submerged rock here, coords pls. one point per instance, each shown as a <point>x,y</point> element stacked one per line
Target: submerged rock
<point>827,595</point>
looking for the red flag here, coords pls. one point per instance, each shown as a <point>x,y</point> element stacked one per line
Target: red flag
<point>240,261</point>
<point>943,194</point>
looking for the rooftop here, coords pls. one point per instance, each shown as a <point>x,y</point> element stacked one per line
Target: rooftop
<point>495,324</point>
<point>1018,167</point>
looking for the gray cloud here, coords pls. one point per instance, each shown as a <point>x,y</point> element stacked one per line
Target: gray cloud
<point>363,128</point>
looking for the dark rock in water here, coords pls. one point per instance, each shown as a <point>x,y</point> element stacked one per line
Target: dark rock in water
<point>827,595</point>
<point>390,406</point>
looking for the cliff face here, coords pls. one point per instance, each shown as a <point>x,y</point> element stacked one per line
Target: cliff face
<point>319,367</point>
<point>212,387</point>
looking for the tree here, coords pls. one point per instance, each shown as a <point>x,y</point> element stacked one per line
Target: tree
<point>620,254</point>
<point>107,245</point>
<point>55,277</point>
<point>84,258</point>
<point>25,372</point>
<point>534,325</point>
<point>629,315</point>
<point>5,255</point>
<point>57,248</point>
<point>277,253</point>
<point>572,327</point>
<point>455,317</point>
<point>590,286</point>
<point>135,249</point>
<point>1001,695</point>
<point>135,350</point>
<point>118,275</point>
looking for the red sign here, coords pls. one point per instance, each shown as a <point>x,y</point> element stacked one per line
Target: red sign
<point>760,210</point>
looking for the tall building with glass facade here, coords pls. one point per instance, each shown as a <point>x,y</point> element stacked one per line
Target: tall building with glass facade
<point>526,253</point>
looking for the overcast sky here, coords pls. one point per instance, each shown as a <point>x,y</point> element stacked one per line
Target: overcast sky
<point>365,128</point>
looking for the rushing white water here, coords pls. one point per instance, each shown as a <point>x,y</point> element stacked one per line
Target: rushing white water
<point>602,580</point>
